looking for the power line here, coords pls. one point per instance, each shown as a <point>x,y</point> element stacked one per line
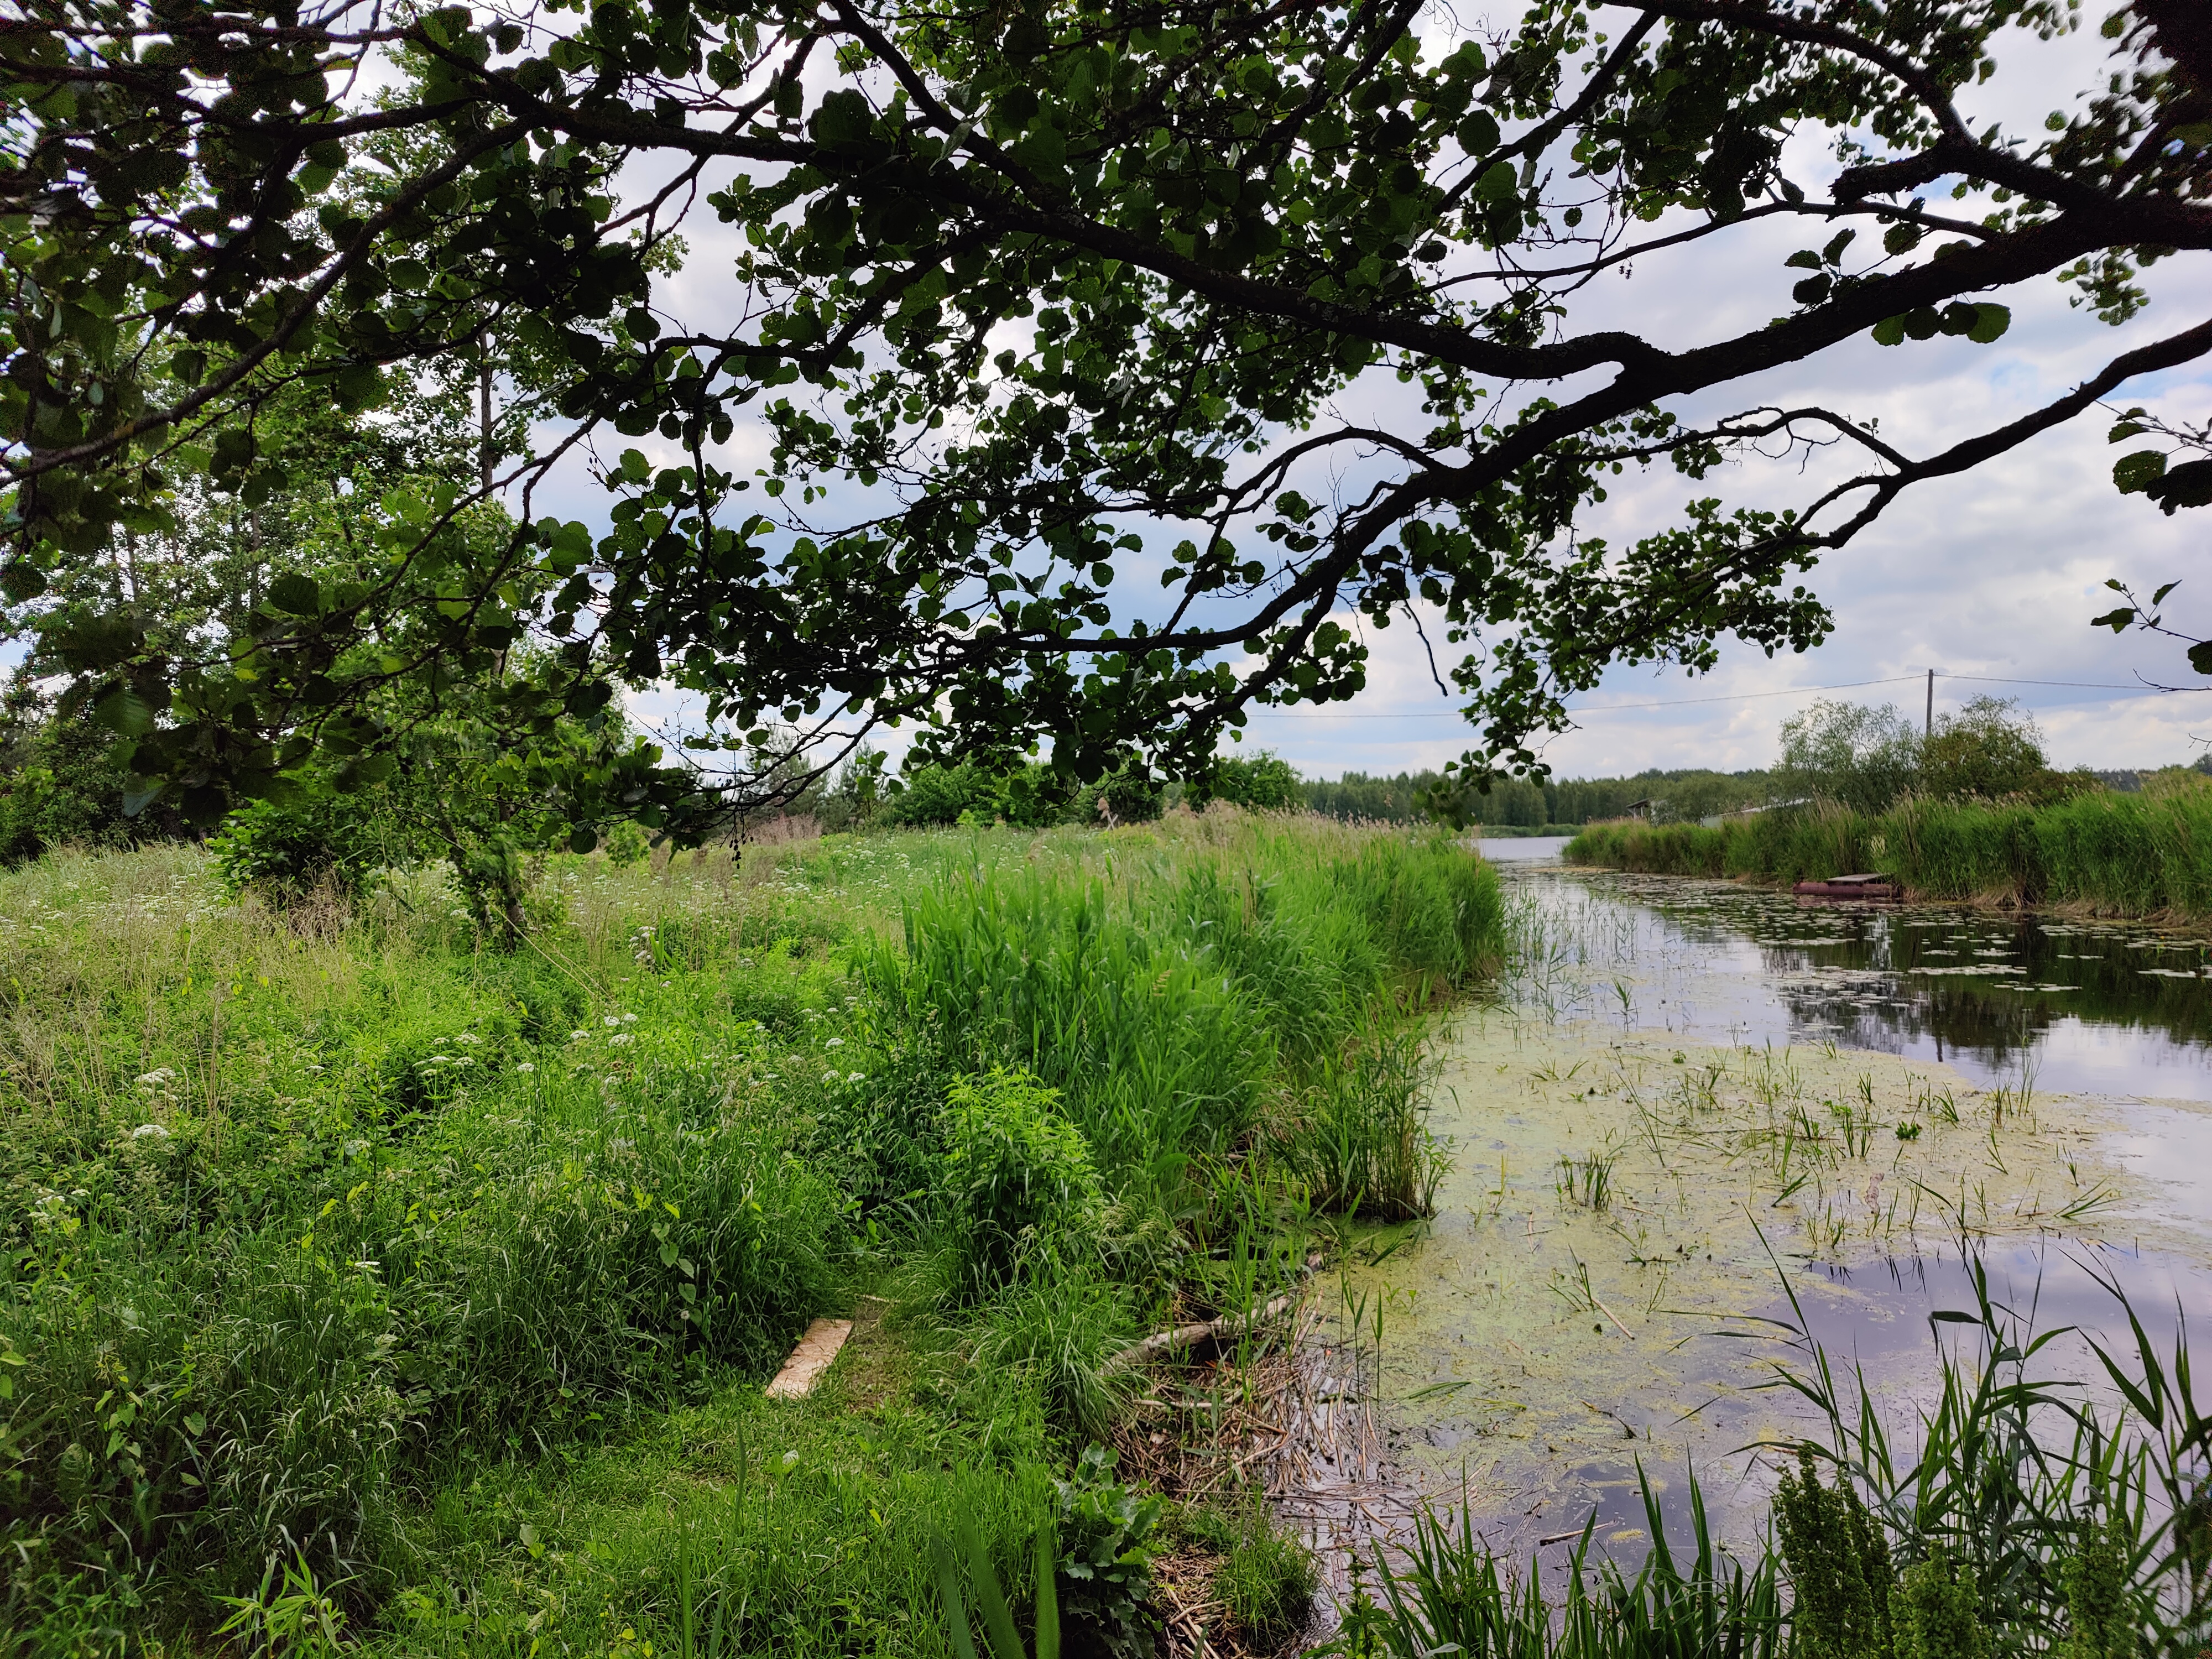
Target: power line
<point>2086,685</point>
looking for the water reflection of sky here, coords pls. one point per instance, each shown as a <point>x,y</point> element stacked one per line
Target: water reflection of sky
<point>2076,1007</point>
<point>1723,964</point>
<point>1879,1322</point>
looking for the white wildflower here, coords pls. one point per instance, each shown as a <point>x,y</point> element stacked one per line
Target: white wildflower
<point>526,1066</point>
<point>612,1019</point>
<point>835,1042</point>
<point>150,1132</point>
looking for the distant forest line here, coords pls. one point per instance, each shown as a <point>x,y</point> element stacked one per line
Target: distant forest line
<point>1681,795</point>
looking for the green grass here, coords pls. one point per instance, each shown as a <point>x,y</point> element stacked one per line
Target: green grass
<point>443,1279</point>
<point>2141,854</point>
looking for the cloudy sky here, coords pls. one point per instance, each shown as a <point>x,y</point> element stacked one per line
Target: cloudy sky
<point>1991,578</point>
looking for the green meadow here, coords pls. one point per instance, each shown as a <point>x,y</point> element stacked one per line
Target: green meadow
<point>369,1286</point>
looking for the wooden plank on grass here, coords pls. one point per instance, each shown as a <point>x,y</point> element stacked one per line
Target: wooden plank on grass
<point>823,1338</point>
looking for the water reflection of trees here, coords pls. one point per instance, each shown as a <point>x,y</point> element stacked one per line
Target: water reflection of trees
<point>1999,1018</point>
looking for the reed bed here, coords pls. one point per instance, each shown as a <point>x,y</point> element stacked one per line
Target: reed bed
<point>2137,855</point>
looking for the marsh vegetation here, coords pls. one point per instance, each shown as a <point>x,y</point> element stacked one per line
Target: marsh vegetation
<point>354,1266</point>
<point>373,1288</point>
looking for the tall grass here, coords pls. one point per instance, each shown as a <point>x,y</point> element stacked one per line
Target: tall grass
<point>1174,1008</point>
<point>2136,855</point>
<point>1452,1595</point>
<point>309,1219</point>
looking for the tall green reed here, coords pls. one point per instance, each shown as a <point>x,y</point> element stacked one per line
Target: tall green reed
<point>2138,854</point>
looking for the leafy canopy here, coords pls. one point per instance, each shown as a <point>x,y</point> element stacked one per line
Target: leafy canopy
<point>1007,295</point>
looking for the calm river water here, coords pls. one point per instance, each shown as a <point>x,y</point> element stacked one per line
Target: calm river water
<point>1809,1118</point>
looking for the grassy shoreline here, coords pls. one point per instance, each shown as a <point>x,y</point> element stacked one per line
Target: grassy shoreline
<point>443,1280</point>
<point>2132,855</point>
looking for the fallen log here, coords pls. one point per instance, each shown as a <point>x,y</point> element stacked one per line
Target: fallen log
<point>1209,1330</point>
<point>1204,1330</point>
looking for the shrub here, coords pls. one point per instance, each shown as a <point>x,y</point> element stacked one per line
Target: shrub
<point>1938,1612</point>
<point>1838,1565</point>
<point>1019,1190</point>
<point>338,841</point>
<point>1128,795</point>
<point>1106,1534</point>
<point>936,795</point>
<point>1264,782</point>
<point>1030,797</point>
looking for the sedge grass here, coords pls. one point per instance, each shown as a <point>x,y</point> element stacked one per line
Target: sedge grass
<point>320,1226</point>
<point>2139,855</point>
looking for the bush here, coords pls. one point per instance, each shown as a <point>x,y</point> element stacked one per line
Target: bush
<point>1106,1534</point>
<point>935,795</point>
<point>60,784</point>
<point>1264,782</point>
<point>1128,795</point>
<point>335,841</point>
<point>1031,797</point>
<point>1019,1190</point>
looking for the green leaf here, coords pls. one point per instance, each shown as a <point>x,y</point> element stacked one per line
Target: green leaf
<point>1048,1595</point>
<point>1991,321</point>
<point>2138,470</point>
<point>947,1574</point>
<point>296,594</point>
<point>998,1621</point>
<point>2189,484</point>
<point>125,711</point>
<point>1889,330</point>
<point>2200,656</point>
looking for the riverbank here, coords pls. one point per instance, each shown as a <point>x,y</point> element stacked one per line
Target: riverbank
<point>2144,856</point>
<point>353,1263</point>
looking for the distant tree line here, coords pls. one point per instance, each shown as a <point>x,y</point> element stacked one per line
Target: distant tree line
<point>1524,802</point>
<point>60,784</point>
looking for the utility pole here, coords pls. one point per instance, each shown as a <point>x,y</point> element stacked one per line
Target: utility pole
<point>1928,730</point>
